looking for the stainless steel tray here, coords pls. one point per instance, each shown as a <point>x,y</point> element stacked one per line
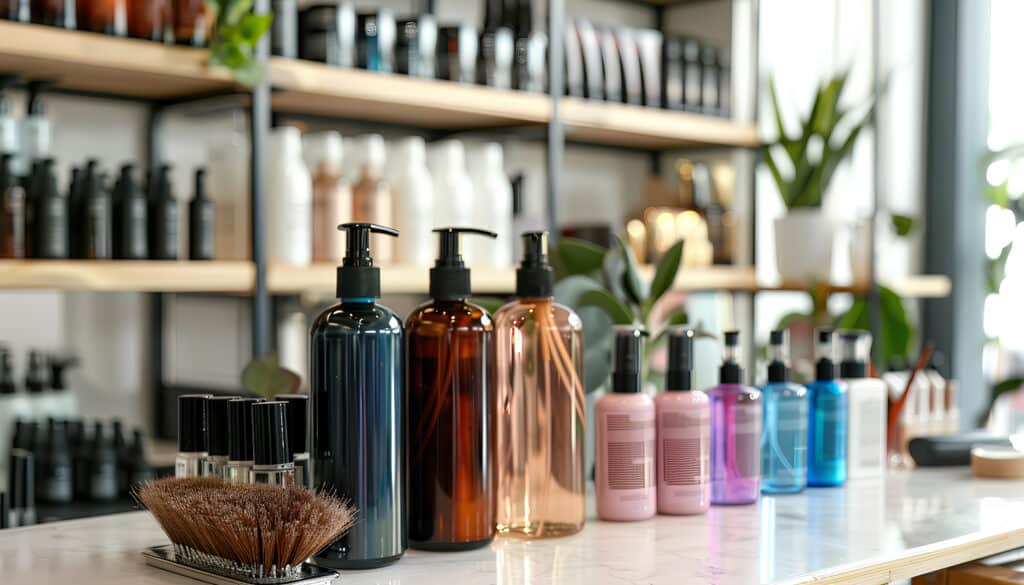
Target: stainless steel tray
<point>162,557</point>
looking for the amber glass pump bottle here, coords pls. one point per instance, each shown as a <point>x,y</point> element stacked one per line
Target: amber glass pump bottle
<point>540,405</point>
<point>450,387</point>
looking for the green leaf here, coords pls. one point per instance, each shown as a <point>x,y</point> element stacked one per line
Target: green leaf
<point>680,317</point>
<point>636,288</point>
<point>579,256</point>
<point>780,183</point>
<point>264,377</point>
<point>570,290</point>
<point>234,10</point>
<point>665,274</point>
<point>896,328</point>
<point>597,347</point>
<point>614,271</point>
<point>250,74</point>
<point>780,126</point>
<point>254,26</point>
<point>230,56</point>
<point>616,310</point>
<point>902,224</point>
<point>998,194</point>
<point>995,270</point>
<point>1006,386</point>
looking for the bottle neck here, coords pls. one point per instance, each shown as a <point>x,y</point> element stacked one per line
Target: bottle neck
<point>358,301</point>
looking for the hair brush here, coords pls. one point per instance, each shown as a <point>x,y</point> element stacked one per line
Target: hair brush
<point>259,532</point>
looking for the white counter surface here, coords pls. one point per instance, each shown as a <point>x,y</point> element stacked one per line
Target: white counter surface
<point>867,532</point>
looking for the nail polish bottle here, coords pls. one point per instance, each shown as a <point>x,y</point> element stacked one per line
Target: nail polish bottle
<point>200,221</point>
<point>735,432</point>
<point>784,426</point>
<point>356,389</point>
<point>684,433</point>
<point>826,444</point>
<point>191,435</point>
<point>240,456</point>
<point>626,451</point>
<point>217,433</point>
<point>272,457</point>
<point>130,218</point>
<point>102,467</point>
<point>12,211</point>
<point>450,385</point>
<point>163,216</point>
<point>867,401</point>
<point>298,436</point>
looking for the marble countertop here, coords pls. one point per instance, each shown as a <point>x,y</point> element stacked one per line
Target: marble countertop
<point>867,532</point>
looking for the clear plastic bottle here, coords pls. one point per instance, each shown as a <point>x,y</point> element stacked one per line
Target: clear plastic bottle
<point>826,447</point>
<point>332,194</point>
<point>868,405</point>
<point>371,194</point>
<point>492,207</point>
<point>454,199</point>
<point>413,210</point>
<point>784,432</point>
<point>735,432</point>
<point>540,405</point>
<point>289,200</point>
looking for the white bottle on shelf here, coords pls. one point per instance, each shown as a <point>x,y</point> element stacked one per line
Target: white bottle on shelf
<point>371,194</point>
<point>332,194</point>
<point>412,192</point>
<point>227,179</point>
<point>289,199</point>
<point>492,207</point>
<point>453,191</point>
<point>868,408</point>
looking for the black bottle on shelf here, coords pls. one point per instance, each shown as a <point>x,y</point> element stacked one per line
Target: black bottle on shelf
<point>16,10</point>
<point>284,32</point>
<point>139,469</point>
<point>59,13</point>
<point>12,211</point>
<point>710,75</point>
<point>49,209</point>
<point>94,218</point>
<point>692,76</point>
<point>457,49</point>
<point>55,476</point>
<point>81,453</point>
<point>130,217</point>
<point>375,41</point>
<point>163,216</point>
<point>102,467</point>
<point>327,33</point>
<point>497,47</point>
<point>121,455</point>
<point>416,46</point>
<point>200,221</point>
<point>672,74</point>
<point>35,376</point>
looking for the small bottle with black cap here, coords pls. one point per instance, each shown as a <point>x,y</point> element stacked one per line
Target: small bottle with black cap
<point>539,350</point>
<point>450,388</point>
<point>684,432</point>
<point>216,462</point>
<point>103,480</point>
<point>735,432</point>
<point>192,439</point>
<point>357,411</point>
<point>240,457</point>
<point>625,436</point>
<point>868,407</point>
<point>826,445</point>
<point>784,427</point>
<point>298,436</point>
<point>272,457</point>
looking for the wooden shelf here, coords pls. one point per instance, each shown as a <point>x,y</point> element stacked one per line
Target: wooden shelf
<point>651,128</point>
<point>321,279</point>
<point>103,64</point>
<point>127,275</point>
<point>919,286</point>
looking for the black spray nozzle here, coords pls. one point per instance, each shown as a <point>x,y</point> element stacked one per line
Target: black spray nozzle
<point>298,416</point>
<point>217,425</point>
<point>58,367</point>
<point>627,360</point>
<point>7,178</point>
<point>7,385</point>
<point>270,433</point>
<point>778,358</point>
<point>824,366</point>
<point>36,87</point>
<point>35,377</point>
<point>854,353</point>
<point>125,186</point>
<point>240,428</point>
<point>358,278</point>
<point>449,278</point>
<point>200,183</point>
<point>534,277</point>
<point>192,423</point>
<point>680,358</point>
<point>731,372</point>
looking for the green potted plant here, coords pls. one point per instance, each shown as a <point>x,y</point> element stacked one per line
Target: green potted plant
<point>802,166</point>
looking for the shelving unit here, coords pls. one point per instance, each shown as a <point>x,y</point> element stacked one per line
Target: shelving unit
<point>125,275</point>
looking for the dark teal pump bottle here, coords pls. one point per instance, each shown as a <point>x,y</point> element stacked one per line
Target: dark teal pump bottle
<point>357,403</point>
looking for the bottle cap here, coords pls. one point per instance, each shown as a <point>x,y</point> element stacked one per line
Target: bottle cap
<point>35,378</point>
<point>270,433</point>
<point>298,416</point>
<point>854,352</point>
<point>200,184</point>
<point>534,277</point>
<point>118,435</point>
<point>98,437</point>
<point>778,357</point>
<point>627,351</point>
<point>126,186</point>
<point>192,423</point>
<point>160,187</point>
<point>373,151</point>
<point>825,367</point>
<point>730,372</point>
<point>358,278</point>
<point>217,424</point>
<point>680,358</point>
<point>7,385</point>
<point>240,428</point>
<point>449,278</point>
<point>58,367</point>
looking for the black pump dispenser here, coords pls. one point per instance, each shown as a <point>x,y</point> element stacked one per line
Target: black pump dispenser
<point>777,369</point>
<point>35,378</point>
<point>534,277</point>
<point>825,367</point>
<point>7,385</point>
<point>358,278</point>
<point>853,363</point>
<point>731,372</point>
<point>200,221</point>
<point>627,350</point>
<point>449,278</point>
<point>680,359</point>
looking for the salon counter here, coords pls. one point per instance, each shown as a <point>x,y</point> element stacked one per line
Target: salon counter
<point>867,532</point>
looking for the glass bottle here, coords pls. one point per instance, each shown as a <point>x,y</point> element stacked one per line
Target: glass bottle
<point>332,194</point>
<point>735,432</point>
<point>60,13</point>
<point>191,435</point>
<point>240,456</point>
<point>358,439</point>
<point>192,23</point>
<point>109,17</point>
<point>150,20</point>
<point>784,430</point>
<point>272,457</point>
<point>540,406</point>
<point>826,445</point>
<point>12,212</point>
<point>450,389</point>
<point>216,461</point>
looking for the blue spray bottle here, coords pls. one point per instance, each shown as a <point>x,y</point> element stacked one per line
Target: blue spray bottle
<point>826,451</point>
<point>784,432</point>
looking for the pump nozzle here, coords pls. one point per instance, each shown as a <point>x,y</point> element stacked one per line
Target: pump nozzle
<point>778,357</point>
<point>449,278</point>
<point>825,367</point>
<point>36,87</point>
<point>680,358</point>
<point>731,372</point>
<point>534,277</point>
<point>358,278</point>
<point>627,349</point>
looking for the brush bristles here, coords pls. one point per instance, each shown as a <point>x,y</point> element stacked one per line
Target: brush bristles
<point>267,529</point>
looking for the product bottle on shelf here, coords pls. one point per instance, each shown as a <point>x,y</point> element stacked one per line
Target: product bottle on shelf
<point>109,17</point>
<point>217,432</point>
<point>826,445</point>
<point>163,216</point>
<point>332,194</point>
<point>453,189</point>
<point>103,486</point>
<point>493,208</point>
<point>36,134</point>
<point>12,211</point>
<point>450,387</point>
<point>150,20</point>
<point>414,201</point>
<point>497,47</point>
<point>375,41</point>
<point>284,34</point>
<point>192,439</point>
<point>138,470</point>
<point>868,405</point>
<point>228,181</point>
<point>735,432</point>
<point>131,215</point>
<point>35,385</point>
<point>684,433</point>
<point>720,221</point>
<point>371,194</point>
<point>272,457</point>
<point>540,405</point>
<point>192,23</point>
<point>18,11</point>
<point>81,459</point>
<point>356,389</point>
<point>10,129</point>
<point>15,407</point>
<point>626,451</point>
<point>63,403</point>
<point>49,212</point>
<point>200,221</point>
<point>54,483</point>
<point>784,430</point>
<point>121,451</point>
<point>59,13</point>
<point>95,214</point>
<point>240,455</point>
<point>289,201</point>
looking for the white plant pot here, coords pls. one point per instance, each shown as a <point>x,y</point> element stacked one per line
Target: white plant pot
<point>804,239</point>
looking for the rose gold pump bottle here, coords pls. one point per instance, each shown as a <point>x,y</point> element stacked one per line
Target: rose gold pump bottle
<point>541,489</point>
